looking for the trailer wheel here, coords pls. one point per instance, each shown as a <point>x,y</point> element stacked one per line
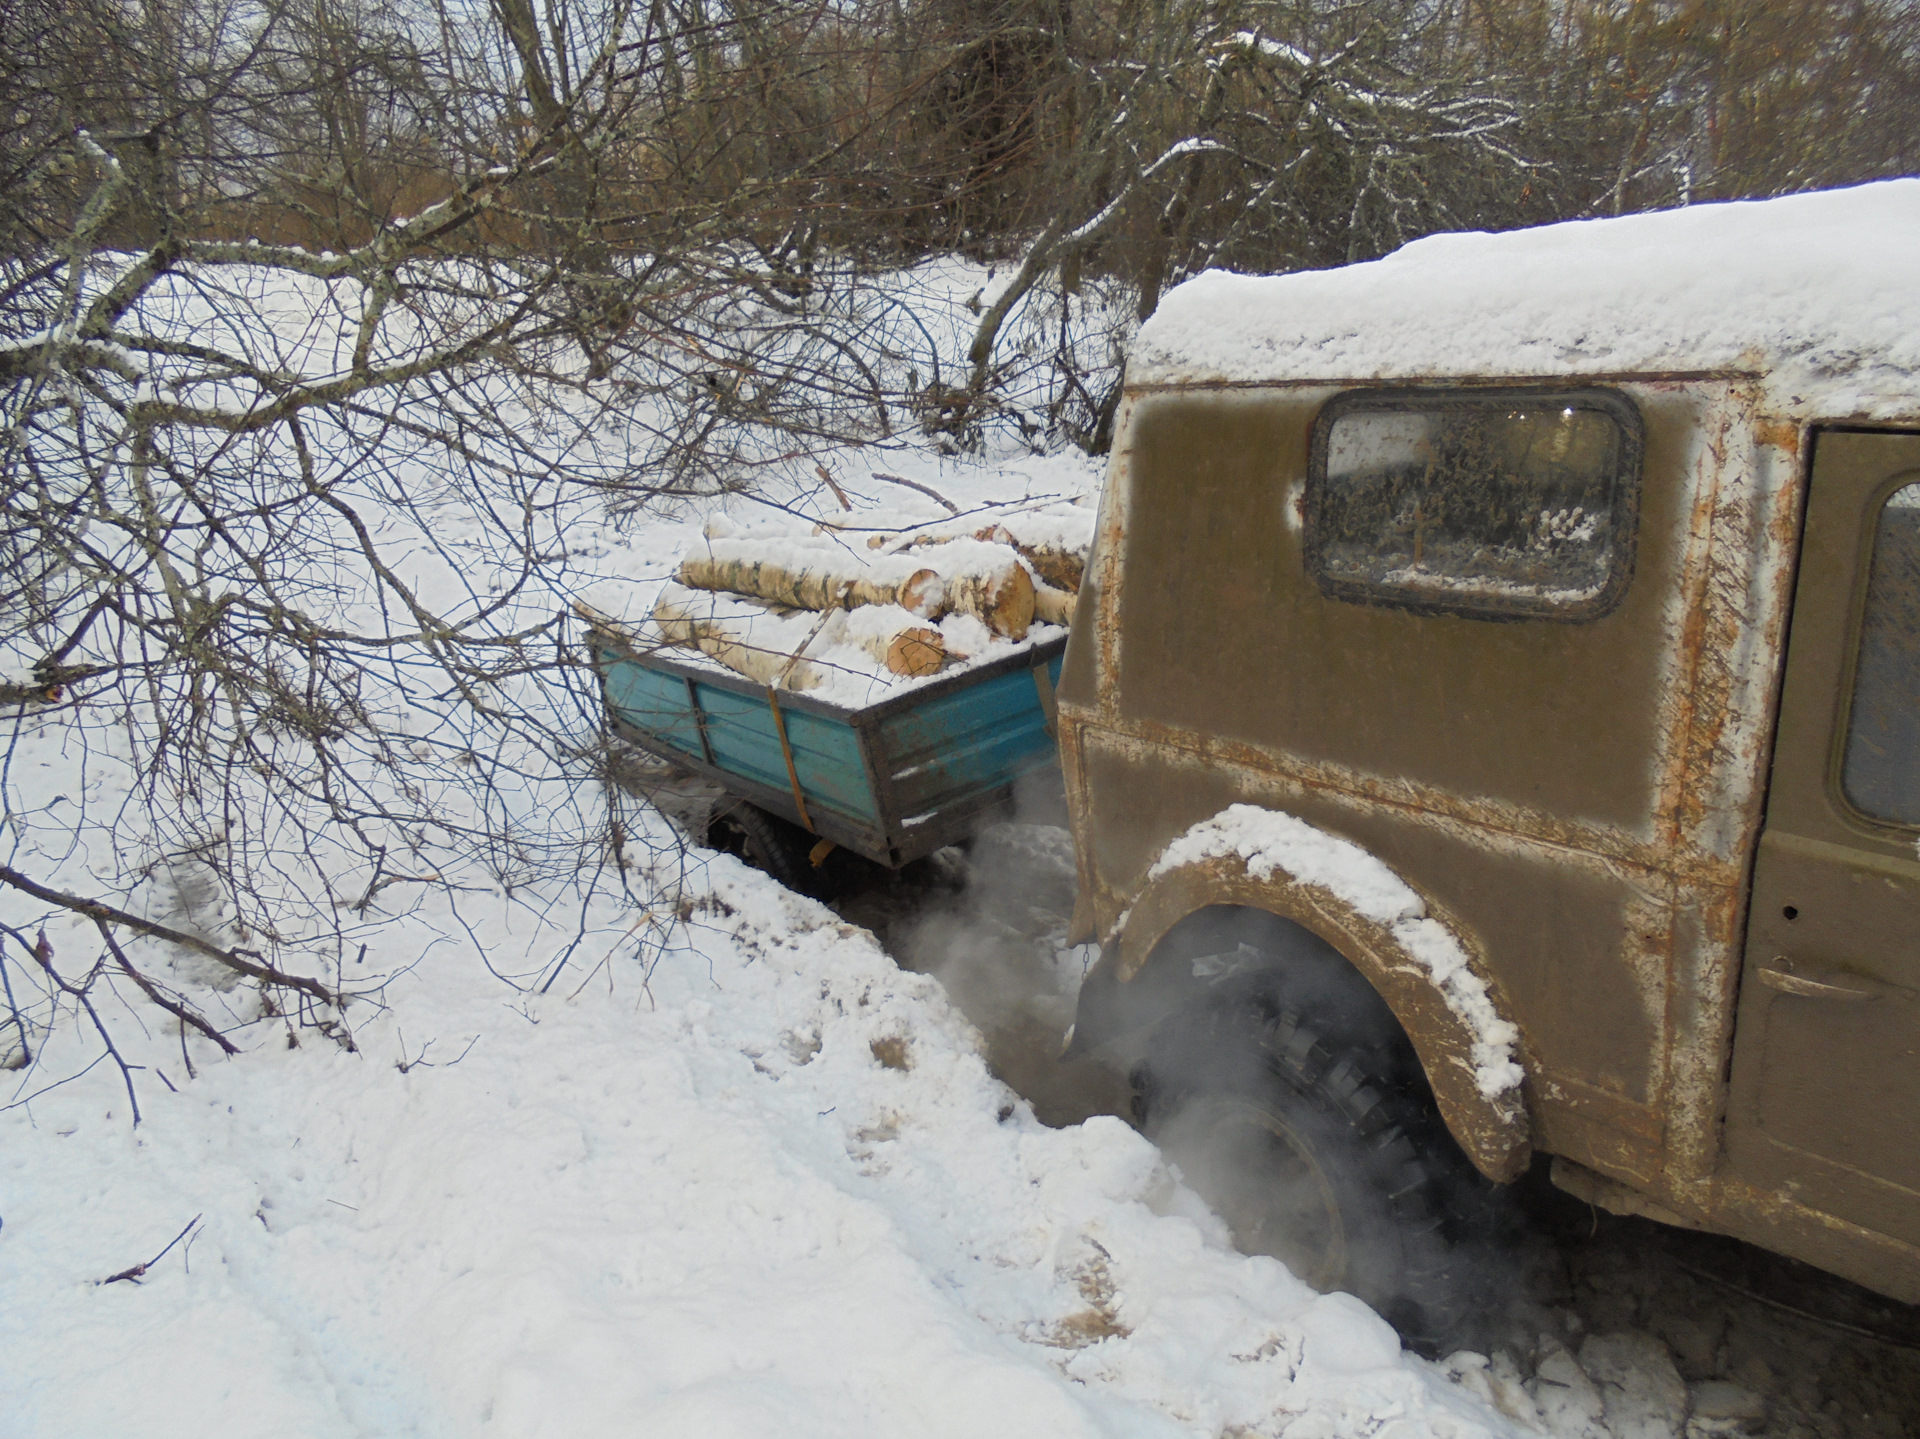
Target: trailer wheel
<point>1310,1156</point>
<point>775,847</point>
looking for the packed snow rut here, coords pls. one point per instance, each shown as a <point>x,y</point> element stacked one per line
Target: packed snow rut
<point>1618,1328</point>
<point>773,1185</point>
<point>768,1187</point>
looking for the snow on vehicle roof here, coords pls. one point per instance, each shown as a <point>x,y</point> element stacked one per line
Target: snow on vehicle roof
<point>1818,294</point>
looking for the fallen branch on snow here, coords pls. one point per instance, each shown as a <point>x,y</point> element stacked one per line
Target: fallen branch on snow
<point>233,959</point>
<point>134,1275</point>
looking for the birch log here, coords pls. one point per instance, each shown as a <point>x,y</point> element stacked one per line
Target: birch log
<point>1052,606</point>
<point>1052,564</point>
<point>1000,598</point>
<point>923,593</point>
<point>915,652</point>
<point>682,623</point>
<point>813,588</point>
<point>912,650</point>
<point>1060,567</point>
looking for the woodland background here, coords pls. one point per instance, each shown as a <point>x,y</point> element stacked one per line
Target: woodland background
<point>635,160</point>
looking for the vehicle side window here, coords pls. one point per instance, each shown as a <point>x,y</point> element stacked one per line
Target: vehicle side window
<point>1499,503</point>
<point>1881,772</point>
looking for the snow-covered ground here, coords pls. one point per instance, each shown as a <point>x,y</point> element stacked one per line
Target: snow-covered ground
<point>658,1149</point>
<point>769,1188</point>
<point>735,1173</point>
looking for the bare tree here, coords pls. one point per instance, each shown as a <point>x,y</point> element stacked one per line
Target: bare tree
<point>286,515</point>
<point>1257,134</point>
<point>1637,104</point>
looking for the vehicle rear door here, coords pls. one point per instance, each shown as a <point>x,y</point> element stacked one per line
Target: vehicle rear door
<point>1825,1099</point>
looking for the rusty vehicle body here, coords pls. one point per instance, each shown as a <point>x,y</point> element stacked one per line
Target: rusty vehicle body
<point>1670,818</point>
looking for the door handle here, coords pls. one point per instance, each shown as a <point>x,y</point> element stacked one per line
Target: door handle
<point>1851,988</point>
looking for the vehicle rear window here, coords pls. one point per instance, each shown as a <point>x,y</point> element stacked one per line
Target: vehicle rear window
<point>1504,504</point>
<point>1881,772</point>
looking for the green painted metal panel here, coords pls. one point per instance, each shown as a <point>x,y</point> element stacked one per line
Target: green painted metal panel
<point>940,754</point>
<point>826,750</point>
<point>654,702</point>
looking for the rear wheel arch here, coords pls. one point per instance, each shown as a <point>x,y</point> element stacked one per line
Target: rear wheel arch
<point>1493,1130</point>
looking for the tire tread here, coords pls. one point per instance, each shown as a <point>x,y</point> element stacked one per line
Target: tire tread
<point>1206,1053</point>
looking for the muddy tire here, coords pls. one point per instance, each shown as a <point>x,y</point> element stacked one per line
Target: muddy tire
<point>1313,1154</point>
<point>775,847</point>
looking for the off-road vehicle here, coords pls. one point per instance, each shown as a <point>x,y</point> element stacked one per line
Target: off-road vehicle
<point>1492,720</point>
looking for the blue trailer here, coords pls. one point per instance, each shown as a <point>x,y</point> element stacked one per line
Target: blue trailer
<point>892,781</point>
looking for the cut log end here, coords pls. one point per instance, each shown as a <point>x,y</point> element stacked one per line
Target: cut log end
<point>1061,568</point>
<point>923,593</point>
<point>1013,607</point>
<point>1002,600</point>
<point>916,652</point>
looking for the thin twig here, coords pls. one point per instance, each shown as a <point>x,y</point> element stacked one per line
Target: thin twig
<point>43,952</point>
<point>818,625</point>
<point>95,910</point>
<point>152,991</point>
<point>49,1088</point>
<point>26,1048</point>
<point>838,493</point>
<point>133,1275</point>
<point>948,505</point>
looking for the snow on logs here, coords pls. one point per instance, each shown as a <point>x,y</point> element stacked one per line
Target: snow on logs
<point>970,577</point>
<point>1054,567</point>
<point>822,586</point>
<point>767,644</point>
<point>1052,563</point>
<point>769,605</point>
<point>684,618</point>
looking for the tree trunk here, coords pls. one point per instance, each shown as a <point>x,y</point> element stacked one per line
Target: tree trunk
<point>813,588</point>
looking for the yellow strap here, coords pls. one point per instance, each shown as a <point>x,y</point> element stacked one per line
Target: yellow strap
<point>786,752</point>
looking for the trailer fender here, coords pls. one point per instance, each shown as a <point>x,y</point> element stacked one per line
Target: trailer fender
<point>1426,968</point>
